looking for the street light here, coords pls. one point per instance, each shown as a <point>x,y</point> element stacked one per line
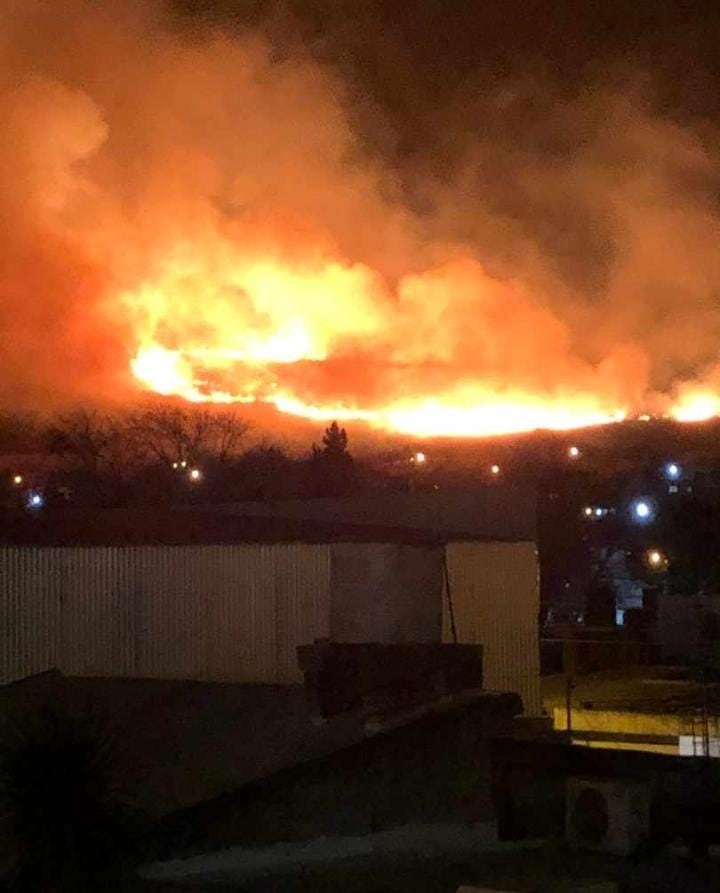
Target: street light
<point>17,480</point>
<point>495,470</point>
<point>419,458</point>
<point>195,475</point>
<point>656,559</point>
<point>595,512</point>
<point>573,452</point>
<point>642,510</point>
<point>672,471</point>
<point>35,500</point>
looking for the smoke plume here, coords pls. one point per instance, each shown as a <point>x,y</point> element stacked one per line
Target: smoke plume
<point>219,214</point>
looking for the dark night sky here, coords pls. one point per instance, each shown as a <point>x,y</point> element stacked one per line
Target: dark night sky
<point>425,78</point>
<point>403,50</point>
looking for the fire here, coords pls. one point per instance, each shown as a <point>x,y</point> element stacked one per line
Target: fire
<point>165,372</point>
<point>223,328</point>
<point>216,326</point>
<point>461,412</point>
<point>171,372</point>
<point>696,406</point>
<point>450,352</point>
<point>208,209</point>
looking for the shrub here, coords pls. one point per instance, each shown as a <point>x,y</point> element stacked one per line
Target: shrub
<point>65,825</point>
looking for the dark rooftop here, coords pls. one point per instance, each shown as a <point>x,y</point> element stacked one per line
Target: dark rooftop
<point>122,527</point>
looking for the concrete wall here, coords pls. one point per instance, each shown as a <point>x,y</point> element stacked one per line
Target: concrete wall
<point>386,593</point>
<point>432,771</point>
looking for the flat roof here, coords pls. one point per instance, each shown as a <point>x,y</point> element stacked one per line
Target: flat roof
<point>126,527</point>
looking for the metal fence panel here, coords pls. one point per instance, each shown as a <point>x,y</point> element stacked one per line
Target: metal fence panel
<point>302,607</point>
<point>495,594</point>
<point>224,613</point>
<point>30,612</point>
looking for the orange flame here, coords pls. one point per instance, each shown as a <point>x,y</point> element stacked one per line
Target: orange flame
<point>696,406</point>
<point>462,415</point>
<point>232,330</point>
<point>210,204</point>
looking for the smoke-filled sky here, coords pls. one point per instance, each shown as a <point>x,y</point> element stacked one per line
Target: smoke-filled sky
<point>423,210</point>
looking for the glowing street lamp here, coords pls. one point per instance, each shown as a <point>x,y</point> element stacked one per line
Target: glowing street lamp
<point>642,510</point>
<point>17,480</point>
<point>35,500</point>
<point>595,512</point>
<point>573,452</point>
<point>656,559</point>
<point>419,458</point>
<point>672,471</point>
<point>495,470</point>
<point>195,475</point>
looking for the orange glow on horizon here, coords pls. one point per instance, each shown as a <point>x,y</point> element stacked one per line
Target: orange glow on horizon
<point>170,372</point>
<point>212,221</point>
<point>696,406</point>
<point>222,328</point>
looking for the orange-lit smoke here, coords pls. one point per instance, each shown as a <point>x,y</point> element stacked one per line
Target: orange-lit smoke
<point>195,214</point>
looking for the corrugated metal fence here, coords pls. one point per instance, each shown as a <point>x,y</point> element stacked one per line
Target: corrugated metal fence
<point>226,613</point>
<point>495,593</point>
<point>236,613</point>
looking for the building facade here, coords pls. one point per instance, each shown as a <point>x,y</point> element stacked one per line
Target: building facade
<point>232,601</point>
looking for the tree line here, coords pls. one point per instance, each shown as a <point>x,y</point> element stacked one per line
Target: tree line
<point>161,455</point>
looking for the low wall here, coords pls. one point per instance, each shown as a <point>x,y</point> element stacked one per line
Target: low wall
<point>434,770</point>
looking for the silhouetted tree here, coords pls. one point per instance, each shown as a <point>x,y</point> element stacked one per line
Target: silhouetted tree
<point>19,433</point>
<point>265,471</point>
<point>99,455</point>
<point>332,464</point>
<point>174,434</point>
<point>92,440</point>
<point>335,442</point>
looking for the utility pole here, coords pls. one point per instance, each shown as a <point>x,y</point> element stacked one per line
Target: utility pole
<point>569,686</point>
<point>706,718</point>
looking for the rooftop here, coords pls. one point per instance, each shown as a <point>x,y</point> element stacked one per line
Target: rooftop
<point>122,527</point>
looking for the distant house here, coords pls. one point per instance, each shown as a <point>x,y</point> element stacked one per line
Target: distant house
<point>227,597</point>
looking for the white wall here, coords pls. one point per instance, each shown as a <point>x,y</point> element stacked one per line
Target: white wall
<point>496,598</point>
<point>223,613</point>
<point>386,592</point>
<point>236,613</point>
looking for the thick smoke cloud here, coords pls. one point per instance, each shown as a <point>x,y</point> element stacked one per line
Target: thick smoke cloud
<point>228,196</point>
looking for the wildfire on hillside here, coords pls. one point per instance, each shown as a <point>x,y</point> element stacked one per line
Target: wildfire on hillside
<point>197,214</point>
<point>328,343</point>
